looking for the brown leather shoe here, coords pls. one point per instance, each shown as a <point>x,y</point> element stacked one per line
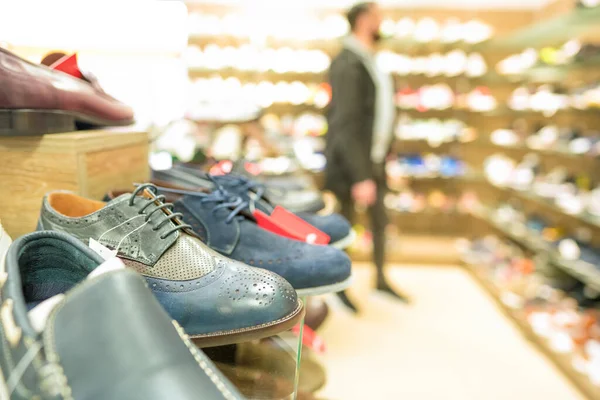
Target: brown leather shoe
<point>35,100</point>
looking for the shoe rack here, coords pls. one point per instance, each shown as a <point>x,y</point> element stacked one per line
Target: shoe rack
<point>88,163</point>
<point>556,24</point>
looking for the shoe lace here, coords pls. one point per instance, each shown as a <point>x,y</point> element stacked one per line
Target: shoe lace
<point>156,204</point>
<point>52,378</point>
<point>220,196</point>
<point>242,184</point>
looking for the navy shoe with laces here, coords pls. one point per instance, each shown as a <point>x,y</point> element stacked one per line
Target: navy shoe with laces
<point>224,223</point>
<point>258,196</point>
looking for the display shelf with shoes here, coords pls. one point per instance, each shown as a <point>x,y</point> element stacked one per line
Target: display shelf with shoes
<point>583,217</point>
<point>529,239</point>
<point>521,149</point>
<point>575,61</point>
<point>86,162</point>
<point>536,302</point>
<point>557,73</point>
<point>256,76</point>
<point>566,22</point>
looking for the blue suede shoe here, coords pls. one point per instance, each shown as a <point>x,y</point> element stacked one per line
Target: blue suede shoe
<point>334,225</point>
<point>222,221</point>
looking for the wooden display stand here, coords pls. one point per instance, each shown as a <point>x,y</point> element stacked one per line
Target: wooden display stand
<point>88,163</point>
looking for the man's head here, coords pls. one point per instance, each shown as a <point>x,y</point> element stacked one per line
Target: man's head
<point>365,19</point>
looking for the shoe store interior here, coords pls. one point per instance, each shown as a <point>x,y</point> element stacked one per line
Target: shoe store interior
<point>312,200</point>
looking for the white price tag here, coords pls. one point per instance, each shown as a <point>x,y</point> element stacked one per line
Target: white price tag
<point>102,250</point>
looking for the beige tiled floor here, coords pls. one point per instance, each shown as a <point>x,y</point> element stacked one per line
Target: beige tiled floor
<point>451,343</point>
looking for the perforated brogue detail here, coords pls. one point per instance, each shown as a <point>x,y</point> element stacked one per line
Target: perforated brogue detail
<point>186,260</point>
<point>255,284</point>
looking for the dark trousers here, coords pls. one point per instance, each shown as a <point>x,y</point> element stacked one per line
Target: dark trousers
<point>377,218</point>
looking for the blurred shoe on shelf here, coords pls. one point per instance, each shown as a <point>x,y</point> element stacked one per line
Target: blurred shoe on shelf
<point>80,327</point>
<point>193,282</point>
<point>39,100</point>
<point>317,311</point>
<point>504,137</point>
<point>525,173</point>
<point>295,191</point>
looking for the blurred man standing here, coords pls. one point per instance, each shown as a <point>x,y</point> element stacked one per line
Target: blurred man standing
<point>361,118</point>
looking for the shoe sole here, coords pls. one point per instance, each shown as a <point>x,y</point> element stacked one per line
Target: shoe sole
<point>333,288</point>
<point>26,122</point>
<point>346,241</point>
<point>234,336</point>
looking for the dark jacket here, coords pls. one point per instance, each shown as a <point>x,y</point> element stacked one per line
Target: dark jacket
<point>350,120</point>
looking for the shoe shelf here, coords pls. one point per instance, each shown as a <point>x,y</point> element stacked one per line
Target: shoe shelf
<point>581,270</point>
<point>333,46</point>
<point>257,76</point>
<point>506,111</point>
<point>294,109</point>
<point>545,73</point>
<point>564,362</point>
<point>320,77</point>
<point>522,148</point>
<point>469,177</point>
<point>582,218</point>
<point>549,31</point>
<point>89,163</point>
<point>442,114</point>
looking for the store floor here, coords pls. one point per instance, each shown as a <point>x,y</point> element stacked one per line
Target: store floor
<point>450,343</point>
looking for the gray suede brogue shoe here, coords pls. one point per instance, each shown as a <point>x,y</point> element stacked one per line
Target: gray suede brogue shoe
<point>217,300</point>
<point>73,326</point>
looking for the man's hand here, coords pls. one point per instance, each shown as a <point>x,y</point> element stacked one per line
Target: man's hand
<point>365,192</point>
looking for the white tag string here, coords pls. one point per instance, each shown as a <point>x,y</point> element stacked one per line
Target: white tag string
<point>123,223</point>
<point>125,237</point>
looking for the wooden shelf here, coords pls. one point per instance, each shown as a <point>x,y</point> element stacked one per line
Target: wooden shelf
<point>413,80</point>
<point>562,361</point>
<point>505,111</point>
<point>441,114</point>
<point>468,177</point>
<point>256,76</point>
<point>89,163</point>
<point>522,148</point>
<point>293,109</point>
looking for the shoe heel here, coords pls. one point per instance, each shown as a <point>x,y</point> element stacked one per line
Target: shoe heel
<point>34,122</point>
